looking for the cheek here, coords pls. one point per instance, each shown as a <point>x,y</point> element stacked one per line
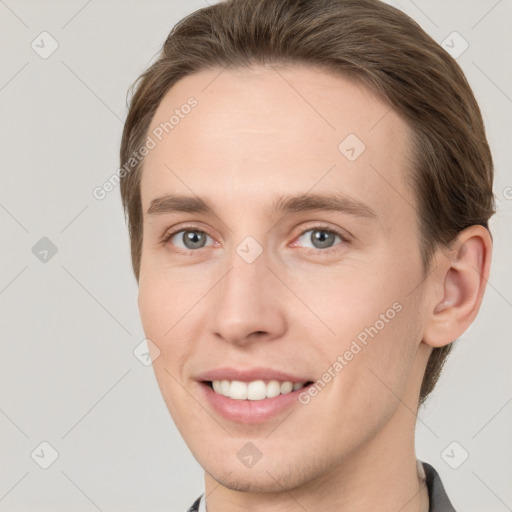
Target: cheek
<point>152,307</point>
<point>169,304</point>
<point>377,326</point>
<point>160,311</point>
<point>163,294</point>
<point>374,377</point>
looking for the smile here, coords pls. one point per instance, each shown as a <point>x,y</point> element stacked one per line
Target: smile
<point>254,390</point>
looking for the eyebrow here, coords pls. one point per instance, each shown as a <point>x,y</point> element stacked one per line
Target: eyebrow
<point>285,204</point>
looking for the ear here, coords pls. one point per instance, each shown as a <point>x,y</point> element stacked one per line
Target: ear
<point>460,278</point>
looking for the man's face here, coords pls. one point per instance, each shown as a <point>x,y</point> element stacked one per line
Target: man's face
<point>244,286</point>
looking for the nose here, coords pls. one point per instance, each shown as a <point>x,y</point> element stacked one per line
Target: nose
<point>249,303</point>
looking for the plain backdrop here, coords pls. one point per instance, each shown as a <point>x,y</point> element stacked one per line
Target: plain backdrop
<point>69,321</point>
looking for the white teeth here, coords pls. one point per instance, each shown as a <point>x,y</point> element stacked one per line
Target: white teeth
<point>286,387</point>
<point>238,390</point>
<point>273,389</point>
<point>225,386</point>
<point>255,390</point>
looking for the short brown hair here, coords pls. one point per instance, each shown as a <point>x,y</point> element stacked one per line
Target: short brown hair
<point>366,40</point>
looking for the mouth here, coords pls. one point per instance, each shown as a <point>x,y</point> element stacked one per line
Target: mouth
<point>251,402</point>
<point>254,390</point>
<point>251,395</point>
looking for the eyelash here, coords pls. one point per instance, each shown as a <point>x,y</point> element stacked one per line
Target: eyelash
<point>190,252</point>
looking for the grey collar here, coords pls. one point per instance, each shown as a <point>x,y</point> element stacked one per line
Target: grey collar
<point>439,501</point>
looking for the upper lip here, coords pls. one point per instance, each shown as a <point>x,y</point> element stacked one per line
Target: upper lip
<point>248,375</point>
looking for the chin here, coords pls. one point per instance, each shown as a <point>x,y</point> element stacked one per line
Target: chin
<point>253,482</point>
<point>276,475</point>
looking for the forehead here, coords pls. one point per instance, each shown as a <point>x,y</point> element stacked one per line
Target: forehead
<point>281,129</point>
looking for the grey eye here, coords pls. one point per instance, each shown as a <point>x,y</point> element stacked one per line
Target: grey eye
<point>320,238</point>
<point>191,239</point>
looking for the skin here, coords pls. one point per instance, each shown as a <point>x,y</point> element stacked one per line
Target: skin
<point>256,134</point>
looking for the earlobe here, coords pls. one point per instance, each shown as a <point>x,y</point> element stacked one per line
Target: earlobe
<point>462,271</point>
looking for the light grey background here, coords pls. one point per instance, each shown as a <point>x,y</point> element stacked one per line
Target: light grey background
<point>69,326</point>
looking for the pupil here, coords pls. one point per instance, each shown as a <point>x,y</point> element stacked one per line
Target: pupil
<point>323,237</point>
<point>193,239</point>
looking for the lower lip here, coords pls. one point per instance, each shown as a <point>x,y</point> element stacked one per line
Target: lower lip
<point>249,411</point>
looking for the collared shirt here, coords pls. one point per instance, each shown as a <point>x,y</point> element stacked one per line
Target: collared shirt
<point>438,499</point>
